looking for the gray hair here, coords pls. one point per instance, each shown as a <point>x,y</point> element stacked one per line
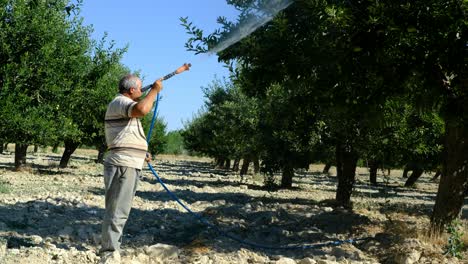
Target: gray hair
<point>127,82</point>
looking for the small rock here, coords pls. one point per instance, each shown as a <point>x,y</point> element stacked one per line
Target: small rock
<point>49,245</point>
<point>408,258</point>
<point>204,260</point>
<point>36,239</point>
<point>285,261</point>
<point>91,255</point>
<point>218,202</point>
<point>327,209</point>
<point>162,251</point>
<point>307,261</point>
<point>143,258</point>
<point>326,261</point>
<point>3,247</point>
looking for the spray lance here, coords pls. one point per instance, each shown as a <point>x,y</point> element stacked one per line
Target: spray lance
<point>181,69</point>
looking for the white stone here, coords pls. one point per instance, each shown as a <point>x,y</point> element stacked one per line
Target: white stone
<point>36,239</point>
<point>408,258</point>
<point>3,247</point>
<point>162,251</point>
<point>285,261</point>
<point>326,261</point>
<point>307,261</point>
<point>204,260</point>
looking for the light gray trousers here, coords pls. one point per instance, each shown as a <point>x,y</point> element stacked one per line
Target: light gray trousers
<point>121,184</point>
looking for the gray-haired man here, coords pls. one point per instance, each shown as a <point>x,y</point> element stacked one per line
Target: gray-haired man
<point>127,153</point>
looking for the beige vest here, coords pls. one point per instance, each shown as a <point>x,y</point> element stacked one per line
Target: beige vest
<point>125,136</point>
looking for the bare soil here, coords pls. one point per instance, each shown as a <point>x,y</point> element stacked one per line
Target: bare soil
<point>52,215</point>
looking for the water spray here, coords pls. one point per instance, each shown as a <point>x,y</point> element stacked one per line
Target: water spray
<point>260,16</point>
<point>181,69</point>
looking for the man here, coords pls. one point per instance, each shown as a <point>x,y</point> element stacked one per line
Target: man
<point>127,153</point>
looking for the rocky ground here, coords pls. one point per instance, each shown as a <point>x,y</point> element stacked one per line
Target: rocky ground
<point>52,215</point>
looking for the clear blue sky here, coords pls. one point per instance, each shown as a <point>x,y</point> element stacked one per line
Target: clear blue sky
<point>156,41</point>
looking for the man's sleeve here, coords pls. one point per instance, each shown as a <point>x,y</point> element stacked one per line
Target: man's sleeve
<point>126,107</point>
<point>130,108</point>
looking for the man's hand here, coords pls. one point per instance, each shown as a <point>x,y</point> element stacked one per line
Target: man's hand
<point>149,157</point>
<point>157,85</point>
<point>145,105</point>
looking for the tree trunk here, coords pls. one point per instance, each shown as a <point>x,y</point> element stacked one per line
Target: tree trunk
<point>101,151</point>
<point>256,164</point>
<point>20,156</point>
<point>55,148</point>
<point>36,148</point>
<point>437,174</point>
<point>70,147</point>
<point>373,167</point>
<point>227,165</point>
<point>219,162</point>
<point>417,172</point>
<point>286,178</point>
<point>1,147</point>
<point>327,167</point>
<point>454,178</point>
<point>245,166</point>
<point>235,167</point>
<point>346,159</point>
<point>405,172</point>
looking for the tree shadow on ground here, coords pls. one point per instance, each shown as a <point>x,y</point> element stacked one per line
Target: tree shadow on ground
<point>190,197</point>
<point>265,222</point>
<point>316,178</point>
<point>68,225</point>
<point>36,168</point>
<point>407,208</point>
<point>393,192</point>
<point>64,222</point>
<point>271,228</point>
<point>189,167</point>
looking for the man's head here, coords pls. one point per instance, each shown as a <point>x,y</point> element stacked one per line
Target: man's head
<point>130,85</point>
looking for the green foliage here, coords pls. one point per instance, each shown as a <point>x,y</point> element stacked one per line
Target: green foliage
<point>175,143</point>
<point>55,81</point>
<point>4,187</point>
<point>210,132</point>
<point>36,40</point>
<point>455,244</point>
<point>158,141</point>
<point>287,138</point>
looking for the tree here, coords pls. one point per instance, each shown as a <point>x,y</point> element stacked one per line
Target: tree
<point>37,37</point>
<point>158,141</point>
<point>175,143</point>
<point>85,105</point>
<point>374,51</point>
<point>430,43</point>
<point>208,133</point>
